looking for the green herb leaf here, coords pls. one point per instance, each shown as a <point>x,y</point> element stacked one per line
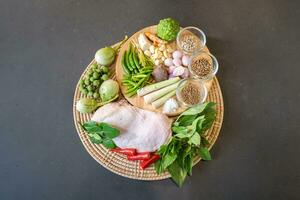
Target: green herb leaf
<point>95,138</point>
<point>178,173</point>
<point>188,164</point>
<point>204,153</point>
<point>195,139</point>
<point>197,109</point>
<point>109,131</point>
<point>179,129</point>
<point>109,143</point>
<point>168,160</point>
<point>101,133</point>
<point>186,120</point>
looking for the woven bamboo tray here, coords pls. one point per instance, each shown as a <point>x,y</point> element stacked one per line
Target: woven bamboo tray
<point>118,163</point>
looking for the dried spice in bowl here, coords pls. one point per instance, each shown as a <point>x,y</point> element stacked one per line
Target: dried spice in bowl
<point>201,66</point>
<point>191,92</point>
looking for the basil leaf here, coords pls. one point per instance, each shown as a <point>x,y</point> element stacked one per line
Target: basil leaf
<point>188,164</point>
<point>204,153</point>
<point>195,139</point>
<point>179,129</point>
<point>168,160</point>
<point>158,166</point>
<point>197,109</point>
<point>204,142</point>
<point>109,143</point>
<point>192,128</point>
<point>186,120</point>
<point>178,174</point>
<point>91,127</point>
<point>95,138</point>
<point>109,131</point>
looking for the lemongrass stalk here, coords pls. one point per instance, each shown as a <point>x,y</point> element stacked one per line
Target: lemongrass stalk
<point>159,102</point>
<point>156,86</point>
<point>149,98</point>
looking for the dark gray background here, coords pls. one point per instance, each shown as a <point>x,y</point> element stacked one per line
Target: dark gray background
<point>45,46</point>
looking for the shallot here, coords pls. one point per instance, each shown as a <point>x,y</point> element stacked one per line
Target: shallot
<point>177,54</point>
<point>185,60</point>
<point>177,61</point>
<point>168,62</point>
<point>178,71</point>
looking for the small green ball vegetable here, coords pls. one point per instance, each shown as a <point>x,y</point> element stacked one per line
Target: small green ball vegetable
<point>96,75</point>
<point>91,79</point>
<point>167,29</point>
<point>81,87</point>
<point>90,94</point>
<point>104,77</point>
<point>109,90</point>
<point>96,95</point>
<point>89,72</point>
<point>87,81</point>
<point>84,91</point>
<point>96,82</point>
<point>94,66</point>
<point>90,88</point>
<point>104,69</point>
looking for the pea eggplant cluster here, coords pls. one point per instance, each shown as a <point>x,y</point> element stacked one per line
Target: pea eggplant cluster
<point>91,82</point>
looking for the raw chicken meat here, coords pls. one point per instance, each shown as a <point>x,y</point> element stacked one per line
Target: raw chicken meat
<point>143,130</point>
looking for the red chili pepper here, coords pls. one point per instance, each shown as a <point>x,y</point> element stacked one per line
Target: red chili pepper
<point>139,156</point>
<point>126,151</point>
<point>146,163</point>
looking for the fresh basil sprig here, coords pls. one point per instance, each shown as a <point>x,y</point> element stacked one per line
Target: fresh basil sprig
<point>101,133</point>
<point>187,142</point>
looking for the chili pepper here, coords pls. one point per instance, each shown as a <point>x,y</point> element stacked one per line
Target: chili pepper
<point>146,163</point>
<point>139,156</point>
<point>126,151</point>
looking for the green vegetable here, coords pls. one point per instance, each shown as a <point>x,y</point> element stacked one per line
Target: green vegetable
<point>88,105</point>
<point>96,75</point>
<point>106,55</point>
<point>156,86</point>
<point>109,90</point>
<point>149,98</point>
<point>101,133</point>
<point>167,29</point>
<point>187,142</point>
<point>104,77</point>
<point>105,69</point>
<point>159,102</point>
<point>138,68</point>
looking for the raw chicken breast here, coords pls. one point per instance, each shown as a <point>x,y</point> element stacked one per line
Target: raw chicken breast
<point>143,130</point>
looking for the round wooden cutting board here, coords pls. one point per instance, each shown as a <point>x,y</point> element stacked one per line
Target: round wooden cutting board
<point>136,100</point>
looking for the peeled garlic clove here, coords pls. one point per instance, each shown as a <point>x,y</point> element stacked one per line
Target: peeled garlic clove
<point>152,49</point>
